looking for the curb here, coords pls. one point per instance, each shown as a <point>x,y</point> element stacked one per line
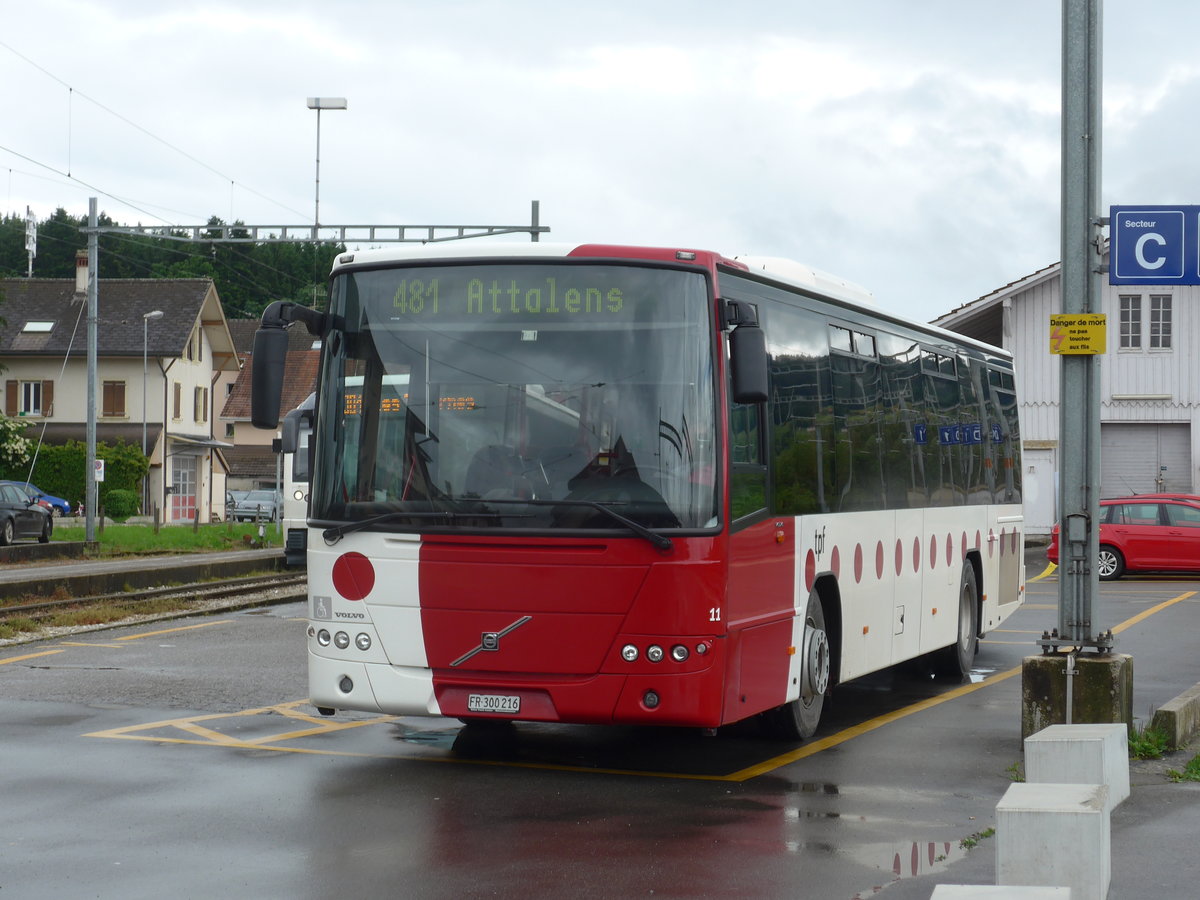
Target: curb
<point>1179,718</point>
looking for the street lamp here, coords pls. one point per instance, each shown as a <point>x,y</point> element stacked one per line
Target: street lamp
<point>320,103</point>
<point>146,317</point>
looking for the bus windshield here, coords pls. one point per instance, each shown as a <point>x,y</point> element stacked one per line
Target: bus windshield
<point>498,395</point>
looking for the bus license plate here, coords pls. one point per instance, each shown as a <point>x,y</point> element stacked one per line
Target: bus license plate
<point>493,703</point>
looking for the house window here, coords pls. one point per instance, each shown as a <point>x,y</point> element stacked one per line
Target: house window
<point>230,430</point>
<point>113,399</point>
<point>29,398</point>
<point>1131,322</point>
<point>200,404</point>
<point>177,401</point>
<point>1160,322</point>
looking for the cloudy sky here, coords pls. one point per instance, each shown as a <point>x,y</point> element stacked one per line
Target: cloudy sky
<point>911,146</point>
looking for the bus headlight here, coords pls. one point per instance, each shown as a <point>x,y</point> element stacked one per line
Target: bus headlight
<point>629,653</point>
<point>654,653</point>
<point>341,640</point>
<point>323,638</point>
<point>363,642</point>
<point>298,495</point>
<point>679,653</point>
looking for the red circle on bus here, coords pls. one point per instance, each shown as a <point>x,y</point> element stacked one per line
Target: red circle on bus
<point>950,547</point>
<point>899,556</point>
<point>933,551</point>
<point>991,543</point>
<point>353,576</point>
<point>810,571</point>
<point>879,559</point>
<point>916,554</point>
<point>858,562</point>
<point>835,563</point>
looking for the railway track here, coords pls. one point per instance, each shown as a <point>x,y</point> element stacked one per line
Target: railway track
<point>258,589</point>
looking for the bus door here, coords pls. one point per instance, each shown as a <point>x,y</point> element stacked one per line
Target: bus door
<point>760,603</point>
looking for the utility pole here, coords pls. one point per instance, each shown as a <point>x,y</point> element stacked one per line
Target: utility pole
<point>1079,398</point>
<point>89,476</point>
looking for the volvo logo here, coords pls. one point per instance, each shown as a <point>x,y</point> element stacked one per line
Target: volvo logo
<point>490,641</point>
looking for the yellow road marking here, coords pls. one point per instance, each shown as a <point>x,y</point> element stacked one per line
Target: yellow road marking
<point>1129,623</point>
<point>1050,569</point>
<point>13,659</point>
<point>863,728</point>
<point>209,737</point>
<point>138,637</point>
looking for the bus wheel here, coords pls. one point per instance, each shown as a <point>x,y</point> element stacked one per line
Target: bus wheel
<point>955,661</point>
<point>798,719</point>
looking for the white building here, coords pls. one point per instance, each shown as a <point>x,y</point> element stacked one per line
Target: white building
<point>1149,384</point>
<point>43,347</point>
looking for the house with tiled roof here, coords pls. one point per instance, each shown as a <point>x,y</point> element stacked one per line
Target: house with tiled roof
<point>252,461</point>
<point>161,346</point>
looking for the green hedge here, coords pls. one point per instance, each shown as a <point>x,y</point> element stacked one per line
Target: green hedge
<point>60,470</point>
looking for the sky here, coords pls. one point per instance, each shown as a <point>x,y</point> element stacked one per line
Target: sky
<point>910,146</point>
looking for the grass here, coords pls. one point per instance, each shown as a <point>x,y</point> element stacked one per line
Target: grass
<point>1191,772</point>
<point>969,843</point>
<point>126,540</point>
<point>1147,743</point>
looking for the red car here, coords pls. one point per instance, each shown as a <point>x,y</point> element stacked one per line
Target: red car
<point>1146,533</point>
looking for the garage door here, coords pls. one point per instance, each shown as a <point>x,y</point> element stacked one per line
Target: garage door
<point>1132,457</point>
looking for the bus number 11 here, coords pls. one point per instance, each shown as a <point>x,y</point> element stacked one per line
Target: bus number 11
<point>714,614</point>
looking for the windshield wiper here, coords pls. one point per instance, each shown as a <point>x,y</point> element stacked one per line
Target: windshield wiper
<point>661,541</point>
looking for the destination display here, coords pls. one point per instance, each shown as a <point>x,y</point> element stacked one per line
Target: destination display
<point>505,296</point>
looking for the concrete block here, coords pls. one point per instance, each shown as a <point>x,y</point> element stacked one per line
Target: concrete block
<point>1101,691</point>
<point>1179,718</point>
<point>1080,754</point>
<point>1055,834</point>
<point>998,892</point>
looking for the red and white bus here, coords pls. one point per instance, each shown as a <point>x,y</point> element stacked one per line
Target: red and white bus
<point>607,484</point>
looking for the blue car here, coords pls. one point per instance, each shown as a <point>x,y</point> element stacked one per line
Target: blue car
<point>57,505</point>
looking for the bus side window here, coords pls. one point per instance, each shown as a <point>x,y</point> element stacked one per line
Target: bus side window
<point>748,471</point>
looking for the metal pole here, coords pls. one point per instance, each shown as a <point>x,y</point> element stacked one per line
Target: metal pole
<point>317,206</point>
<point>145,375</point>
<point>90,494</point>
<point>1079,398</point>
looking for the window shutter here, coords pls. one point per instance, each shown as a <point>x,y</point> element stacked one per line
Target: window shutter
<point>47,398</point>
<point>10,399</point>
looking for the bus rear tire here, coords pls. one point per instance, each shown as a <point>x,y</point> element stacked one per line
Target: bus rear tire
<point>798,720</point>
<point>956,660</point>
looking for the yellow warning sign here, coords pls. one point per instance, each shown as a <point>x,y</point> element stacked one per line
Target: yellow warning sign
<point>1078,333</point>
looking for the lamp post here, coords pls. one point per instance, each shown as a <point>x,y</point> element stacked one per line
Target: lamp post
<point>146,317</point>
<point>320,103</point>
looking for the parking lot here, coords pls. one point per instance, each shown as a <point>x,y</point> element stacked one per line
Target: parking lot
<point>182,757</point>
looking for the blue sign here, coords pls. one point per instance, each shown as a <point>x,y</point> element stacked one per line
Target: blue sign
<point>921,434</point>
<point>1154,245</point>
<point>997,433</point>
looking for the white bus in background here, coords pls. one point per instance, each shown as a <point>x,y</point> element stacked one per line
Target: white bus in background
<point>295,432</point>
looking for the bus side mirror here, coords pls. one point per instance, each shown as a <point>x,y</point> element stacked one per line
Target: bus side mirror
<point>748,364</point>
<point>266,386</point>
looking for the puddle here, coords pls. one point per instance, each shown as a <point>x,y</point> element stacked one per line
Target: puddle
<point>904,860</point>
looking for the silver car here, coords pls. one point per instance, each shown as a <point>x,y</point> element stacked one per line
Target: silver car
<point>258,506</point>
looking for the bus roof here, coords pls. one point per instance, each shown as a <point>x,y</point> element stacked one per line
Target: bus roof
<point>779,269</point>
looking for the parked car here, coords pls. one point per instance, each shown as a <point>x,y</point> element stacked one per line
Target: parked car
<point>257,505</point>
<point>1144,534</point>
<point>57,505</point>
<point>21,516</point>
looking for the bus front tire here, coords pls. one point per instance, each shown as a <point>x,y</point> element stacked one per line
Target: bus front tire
<point>798,720</point>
